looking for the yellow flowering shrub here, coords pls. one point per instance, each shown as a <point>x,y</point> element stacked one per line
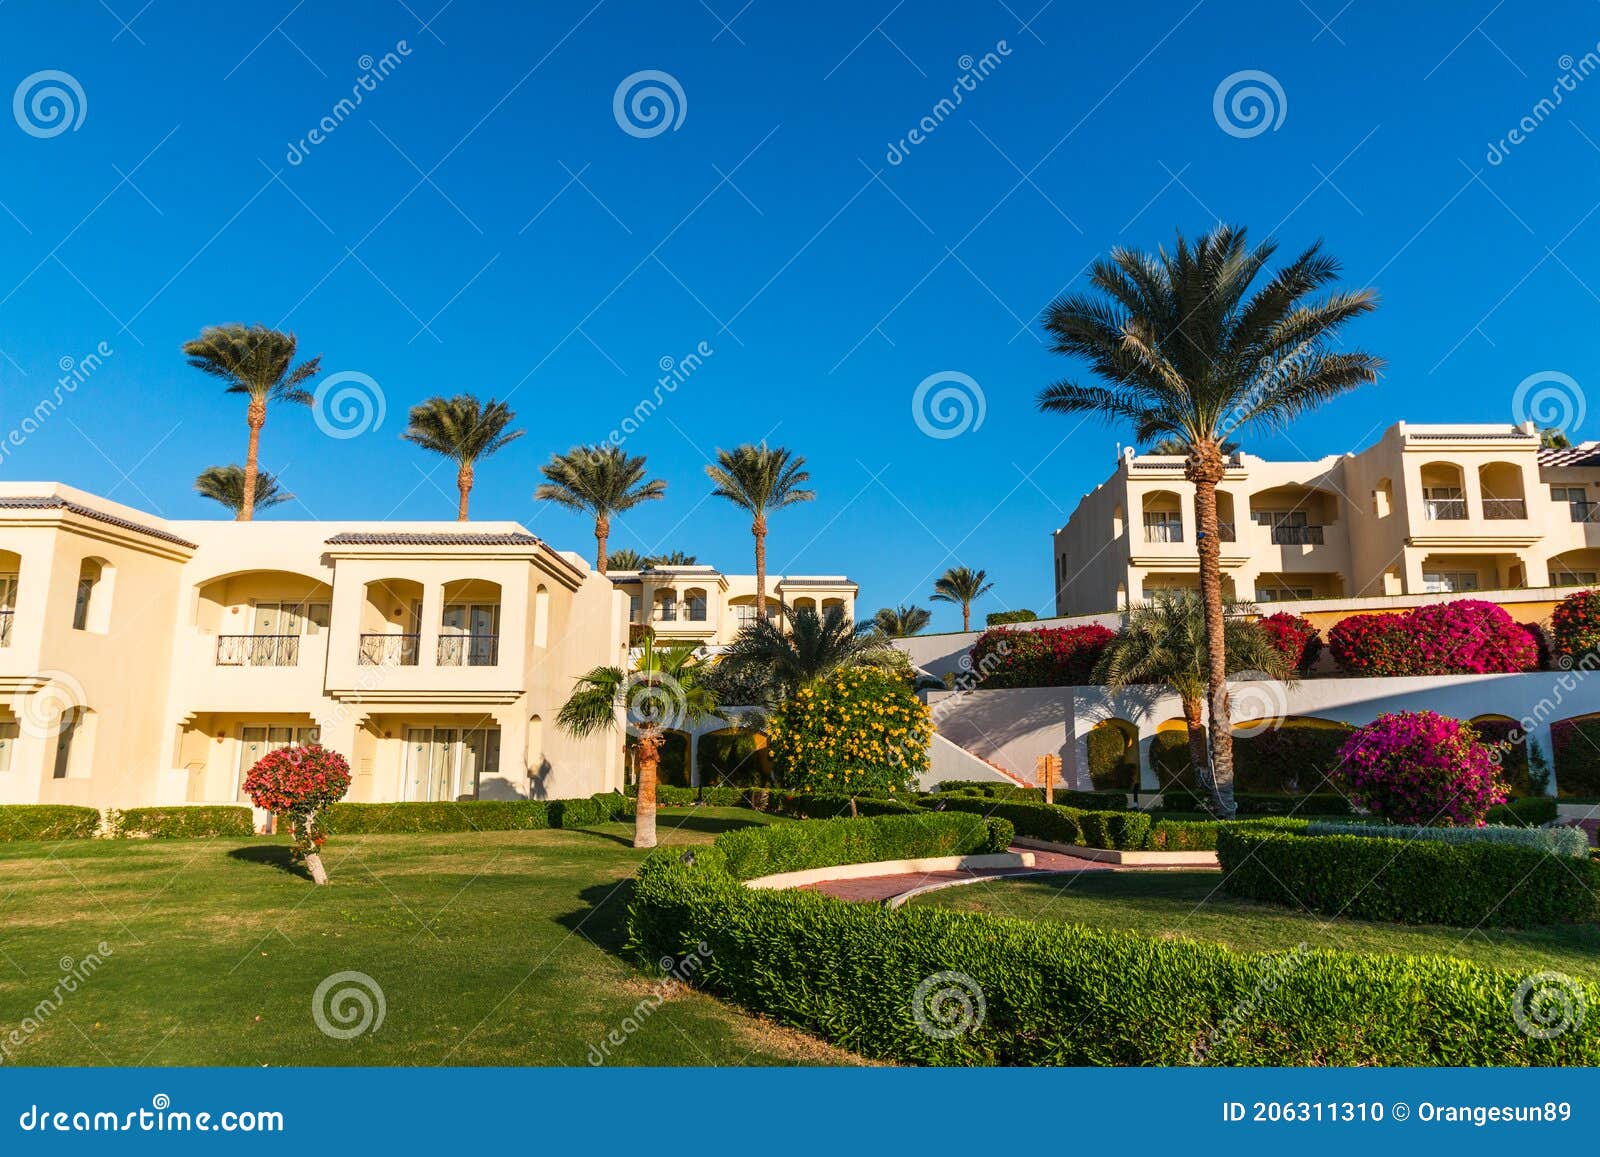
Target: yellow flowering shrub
<point>859,731</point>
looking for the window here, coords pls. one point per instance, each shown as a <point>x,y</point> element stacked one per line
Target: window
<point>1282,594</point>
<point>541,616</point>
<point>317,617</point>
<point>8,740</point>
<point>80,607</point>
<point>1163,526</point>
<point>469,635</point>
<point>8,605</point>
<point>71,718</point>
<point>1577,501</point>
<point>1574,578</point>
<point>1447,581</point>
<point>443,763</point>
<point>91,607</point>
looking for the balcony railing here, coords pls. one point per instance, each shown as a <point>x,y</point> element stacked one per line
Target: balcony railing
<point>747,615</point>
<point>5,628</point>
<point>1287,535</point>
<point>258,650</point>
<point>1504,508</point>
<point>1163,532</point>
<point>1444,509</point>
<point>674,613</point>
<point>1585,511</point>
<point>469,650</point>
<point>389,650</point>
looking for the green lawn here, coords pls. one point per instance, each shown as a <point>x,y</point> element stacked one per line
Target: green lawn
<point>1190,904</point>
<point>498,948</point>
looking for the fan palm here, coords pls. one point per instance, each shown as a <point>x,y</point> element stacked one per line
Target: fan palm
<point>1165,642</point>
<point>1183,348</point>
<point>815,645</point>
<point>963,587</point>
<point>598,480</point>
<point>462,429</point>
<point>758,479</point>
<point>897,622</point>
<point>661,692</point>
<point>259,363</point>
<point>225,484</point>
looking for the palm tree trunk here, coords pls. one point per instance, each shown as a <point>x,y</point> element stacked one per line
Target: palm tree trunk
<point>464,487</point>
<point>1205,470</point>
<point>602,531</point>
<point>647,752</point>
<point>759,529</point>
<point>257,418</point>
<point>1197,743</point>
<point>966,617</point>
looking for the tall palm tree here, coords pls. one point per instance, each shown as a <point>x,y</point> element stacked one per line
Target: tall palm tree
<point>225,484</point>
<point>813,646</point>
<point>598,480</point>
<point>964,587</point>
<point>662,692</point>
<point>259,363</point>
<point>627,559</point>
<point>1164,642</point>
<point>674,558</point>
<point>758,479</point>
<point>1177,446</point>
<point>462,429</point>
<point>898,622</point>
<point>1183,347</point>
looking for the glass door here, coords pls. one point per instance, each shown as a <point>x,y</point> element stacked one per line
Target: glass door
<point>485,623</point>
<point>444,763</point>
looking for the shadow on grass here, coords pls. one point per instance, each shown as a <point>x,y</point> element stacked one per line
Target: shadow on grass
<point>604,921</point>
<point>713,825</point>
<point>280,856</point>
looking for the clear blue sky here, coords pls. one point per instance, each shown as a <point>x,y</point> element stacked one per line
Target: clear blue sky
<point>554,258</point>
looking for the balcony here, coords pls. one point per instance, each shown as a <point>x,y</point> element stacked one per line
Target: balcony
<point>1503,509</point>
<point>5,628</point>
<point>1163,532</point>
<point>746,616</point>
<point>389,650</point>
<point>258,650</point>
<point>1286,534</point>
<point>469,650</point>
<point>1584,511</point>
<point>670,613</point>
<point>1444,509</point>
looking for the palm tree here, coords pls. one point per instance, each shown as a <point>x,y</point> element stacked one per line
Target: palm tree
<point>662,692</point>
<point>759,479</point>
<point>898,622</point>
<point>627,559</point>
<point>815,645</point>
<point>1165,642</point>
<point>1554,438</point>
<point>259,363</point>
<point>1184,348</point>
<point>964,587</point>
<point>225,484</point>
<point>675,558</point>
<point>598,480</point>
<point>1180,448</point>
<point>462,429</point>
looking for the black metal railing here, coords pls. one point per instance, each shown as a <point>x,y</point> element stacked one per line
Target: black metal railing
<point>389,650</point>
<point>469,650</point>
<point>1504,508</point>
<point>1445,509</point>
<point>1585,511</point>
<point>258,650</point>
<point>1286,535</point>
<point>5,628</point>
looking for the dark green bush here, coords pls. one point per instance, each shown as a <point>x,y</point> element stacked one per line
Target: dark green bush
<point>733,759</point>
<point>827,807</point>
<point>1065,994</point>
<point>1001,834</point>
<point>585,813</point>
<point>184,823</point>
<point>747,853</point>
<point>669,795</point>
<point>1368,878</point>
<point>1097,800</point>
<point>1184,835</point>
<point>1530,811</point>
<point>1001,618</point>
<point>1259,804</point>
<point>1113,759</point>
<point>1295,758</point>
<point>468,815</point>
<point>47,821</point>
<point>1057,824</point>
<point>1576,743</point>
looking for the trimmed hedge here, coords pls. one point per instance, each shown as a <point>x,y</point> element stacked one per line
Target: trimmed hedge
<point>1530,811</point>
<point>1113,759</point>
<point>1128,830</point>
<point>827,807</point>
<point>1262,804</point>
<point>1555,841</point>
<point>747,853</point>
<point>1065,994</point>
<point>47,821</point>
<point>1093,800</point>
<point>181,823</point>
<point>1001,618</point>
<point>1374,878</point>
<point>668,795</point>
<point>468,815</point>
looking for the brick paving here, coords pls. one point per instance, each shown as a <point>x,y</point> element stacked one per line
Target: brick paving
<point>875,889</point>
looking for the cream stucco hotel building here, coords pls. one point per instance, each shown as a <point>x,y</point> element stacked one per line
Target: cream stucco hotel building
<point>1425,508</point>
<point>146,661</point>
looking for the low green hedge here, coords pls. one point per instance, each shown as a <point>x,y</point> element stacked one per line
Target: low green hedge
<point>1064,994</point>
<point>1090,800</point>
<point>181,823</point>
<point>469,815</point>
<point>1375,878</point>
<point>1058,824</point>
<point>827,807</point>
<point>669,796</point>
<point>1555,841</point>
<point>1251,803</point>
<point>47,821</point>
<point>1530,811</point>
<point>747,853</point>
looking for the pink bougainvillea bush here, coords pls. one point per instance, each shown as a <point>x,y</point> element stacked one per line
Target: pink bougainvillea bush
<point>1575,627</point>
<point>1047,657</point>
<point>1294,636</point>
<point>1420,767</point>
<point>299,782</point>
<point>1465,637</point>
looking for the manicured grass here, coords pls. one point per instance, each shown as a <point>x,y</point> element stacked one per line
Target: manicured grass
<point>497,948</point>
<point>1191,904</point>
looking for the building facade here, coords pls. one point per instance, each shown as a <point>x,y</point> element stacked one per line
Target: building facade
<point>700,604</point>
<point>1425,508</point>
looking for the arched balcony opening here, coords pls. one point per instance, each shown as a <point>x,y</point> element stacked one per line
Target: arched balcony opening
<point>10,569</point>
<point>262,618</point>
<point>1500,484</point>
<point>829,604</point>
<point>1295,515</point>
<point>1163,516</point>
<point>469,624</point>
<point>391,623</point>
<point>91,607</point>
<point>695,605</point>
<point>1444,495</point>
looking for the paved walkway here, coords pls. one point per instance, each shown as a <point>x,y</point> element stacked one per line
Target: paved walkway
<point>876,889</point>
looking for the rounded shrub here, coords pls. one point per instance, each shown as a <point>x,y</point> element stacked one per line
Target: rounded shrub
<point>860,730</point>
<point>1420,767</point>
<point>299,783</point>
<point>1575,627</point>
<point>1046,657</point>
<point>1465,637</point>
<point>1294,636</point>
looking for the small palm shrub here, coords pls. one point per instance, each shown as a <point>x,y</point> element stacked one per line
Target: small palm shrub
<point>861,730</point>
<point>1046,657</point>
<point>1420,767</point>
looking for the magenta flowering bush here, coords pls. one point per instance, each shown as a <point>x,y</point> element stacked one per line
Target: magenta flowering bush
<point>1420,767</point>
<point>1465,637</point>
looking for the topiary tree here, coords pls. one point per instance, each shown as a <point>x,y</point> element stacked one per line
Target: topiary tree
<point>1575,628</point>
<point>1294,635</point>
<point>859,731</point>
<point>299,782</point>
<point>1420,767</point>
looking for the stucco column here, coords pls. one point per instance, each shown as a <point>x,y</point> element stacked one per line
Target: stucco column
<point>428,628</point>
<point>1536,569</point>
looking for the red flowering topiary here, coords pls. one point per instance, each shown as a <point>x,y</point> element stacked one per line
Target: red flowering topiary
<point>1465,637</point>
<point>1575,627</point>
<point>1293,635</point>
<point>1420,767</point>
<point>298,782</point>
<point>1047,657</point>
<point>1372,644</point>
